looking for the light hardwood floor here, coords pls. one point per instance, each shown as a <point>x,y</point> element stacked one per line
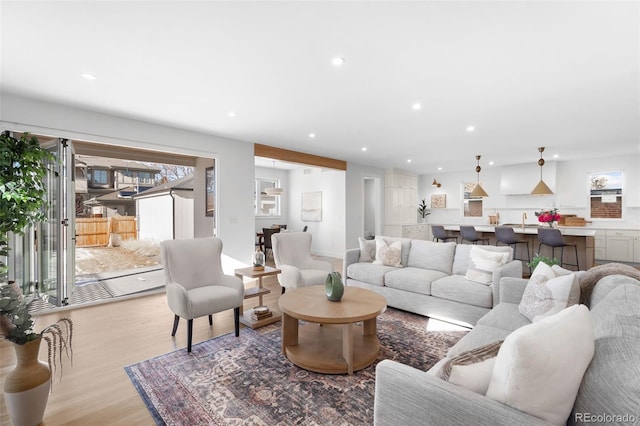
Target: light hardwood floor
<point>108,337</point>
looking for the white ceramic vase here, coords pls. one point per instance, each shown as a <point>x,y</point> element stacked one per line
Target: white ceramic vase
<point>26,388</point>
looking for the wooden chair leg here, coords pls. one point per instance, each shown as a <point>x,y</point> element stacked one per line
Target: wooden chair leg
<point>210,319</point>
<point>189,334</point>
<point>236,320</point>
<point>176,320</point>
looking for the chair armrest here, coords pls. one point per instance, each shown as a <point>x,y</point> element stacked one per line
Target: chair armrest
<point>178,300</point>
<point>289,277</point>
<point>512,289</point>
<point>234,283</point>
<point>350,256</point>
<point>407,396</point>
<point>510,269</point>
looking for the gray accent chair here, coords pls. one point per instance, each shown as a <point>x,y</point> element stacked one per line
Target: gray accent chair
<point>292,255</point>
<point>196,284</point>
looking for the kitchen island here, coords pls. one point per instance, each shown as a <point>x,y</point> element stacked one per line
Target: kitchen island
<point>583,238</point>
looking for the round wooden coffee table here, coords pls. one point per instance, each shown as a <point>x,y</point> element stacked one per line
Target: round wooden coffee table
<point>331,342</point>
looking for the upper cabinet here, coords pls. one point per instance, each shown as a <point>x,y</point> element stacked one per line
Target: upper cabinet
<point>520,179</point>
<point>401,196</point>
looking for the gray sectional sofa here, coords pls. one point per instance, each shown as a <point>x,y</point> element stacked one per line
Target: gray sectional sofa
<point>431,281</point>
<point>608,394</point>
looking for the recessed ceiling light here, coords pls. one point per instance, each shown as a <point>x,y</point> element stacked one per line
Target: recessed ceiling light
<point>471,129</point>
<point>88,76</point>
<point>491,163</point>
<point>312,135</point>
<point>337,61</point>
<point>439,168</point>
<point>232,114</point>
<point>364,148</point>
<point>416,106</point>
<point>409,160</point>
<point>555,156</point>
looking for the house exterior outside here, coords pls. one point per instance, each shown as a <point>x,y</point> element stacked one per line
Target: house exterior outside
<point>105,186</point>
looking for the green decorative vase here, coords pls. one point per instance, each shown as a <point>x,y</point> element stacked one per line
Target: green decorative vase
<point>333,287</point>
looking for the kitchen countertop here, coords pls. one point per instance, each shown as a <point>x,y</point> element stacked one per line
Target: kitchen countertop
<point>531,229</point>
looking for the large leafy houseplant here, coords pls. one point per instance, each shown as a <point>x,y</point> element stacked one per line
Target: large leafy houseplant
<point>23,168</point>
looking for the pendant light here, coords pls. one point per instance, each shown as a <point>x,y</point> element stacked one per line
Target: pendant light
<point>478,191</point>
<point>274,190</point>
<point>541,188</point>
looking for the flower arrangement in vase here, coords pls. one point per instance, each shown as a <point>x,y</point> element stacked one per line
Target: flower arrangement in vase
<point>550,217</point>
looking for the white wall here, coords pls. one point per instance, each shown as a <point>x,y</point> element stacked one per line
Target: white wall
<point>329,233</point>
<point>571,197</point>
<point>235,158</point>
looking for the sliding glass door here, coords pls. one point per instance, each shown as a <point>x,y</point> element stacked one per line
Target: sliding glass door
<point>55,237</point>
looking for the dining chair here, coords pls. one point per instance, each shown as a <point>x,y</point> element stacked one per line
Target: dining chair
<point>196,284</point>
<point>469,233</point>
<point>292,255</point>
<point>553,238</point>
<point>267,233</point>
<point>440,234</point>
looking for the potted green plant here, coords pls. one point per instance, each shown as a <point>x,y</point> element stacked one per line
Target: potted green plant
<point>537,258</point>
<point>23,167</point>
<point>422,210</point>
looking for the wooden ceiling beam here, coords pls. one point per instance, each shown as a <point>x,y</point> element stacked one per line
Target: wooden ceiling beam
<point>298,157</point>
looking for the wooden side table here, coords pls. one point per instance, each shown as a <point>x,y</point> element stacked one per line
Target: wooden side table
<point>246,318</point>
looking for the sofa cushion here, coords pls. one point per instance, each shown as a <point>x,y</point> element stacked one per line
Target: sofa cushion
<point>463,255</point>
<point>415,280</point>
<point>505,316</point>
<point>480,335</point>
<point>459,289</point>
<point>483,263</point>
<point>606,386</point>
<point>547,294</point>
<point>405,244</point>
<point>540,366</point>
<point>367,250</point>
<point>388,254</point>
<point>471,369</point>
<point>430,255</point>
<point>368,272</point>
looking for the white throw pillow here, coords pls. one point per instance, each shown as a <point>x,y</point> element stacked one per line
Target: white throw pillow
<point>367,250</point>
<point>540,366</point>
<point>388,254</point>
<point>548,291</point>
<point>471,369</point>
<point>482,264</point>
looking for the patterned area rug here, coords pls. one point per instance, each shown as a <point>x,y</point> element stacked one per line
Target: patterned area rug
<point>246,380</point>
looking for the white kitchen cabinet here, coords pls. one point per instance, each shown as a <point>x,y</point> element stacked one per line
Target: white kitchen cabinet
<point>636,248</point>
<point>600,244</point>
<point>415,232</point>
<point>620,245</point>
<point>401,197</point>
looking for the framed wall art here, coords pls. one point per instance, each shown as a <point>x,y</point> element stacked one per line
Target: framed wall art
<point>312,206</point>
<point>438,201</point>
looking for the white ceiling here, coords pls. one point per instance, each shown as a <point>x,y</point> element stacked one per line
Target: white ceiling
<point>564,74</point>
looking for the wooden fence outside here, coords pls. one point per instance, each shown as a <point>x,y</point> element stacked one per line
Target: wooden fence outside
<point>99,231</point>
